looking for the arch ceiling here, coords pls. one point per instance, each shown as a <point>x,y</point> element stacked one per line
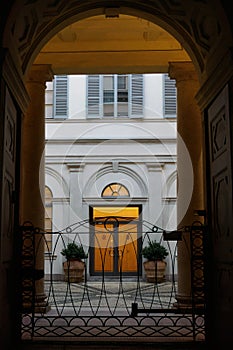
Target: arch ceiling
<point>121,44</point>
<point>200,27</point>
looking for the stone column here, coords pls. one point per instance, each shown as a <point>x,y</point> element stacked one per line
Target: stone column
<point>189,131</point>
<point>32,167</point>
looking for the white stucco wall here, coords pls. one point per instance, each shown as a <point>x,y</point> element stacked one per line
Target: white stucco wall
<point>153,96</point>
<point>77,97</point>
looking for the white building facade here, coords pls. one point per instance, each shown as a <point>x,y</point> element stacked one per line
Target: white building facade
<point>110,145</point>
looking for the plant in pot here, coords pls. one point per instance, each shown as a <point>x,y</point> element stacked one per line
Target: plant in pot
<point>155,265</point>
<point>74,265</point>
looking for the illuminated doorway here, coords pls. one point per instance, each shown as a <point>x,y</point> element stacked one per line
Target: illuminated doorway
<point>115,241</point>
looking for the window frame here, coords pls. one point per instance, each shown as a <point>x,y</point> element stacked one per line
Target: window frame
<point>120,187</point>
<point>98,94</point>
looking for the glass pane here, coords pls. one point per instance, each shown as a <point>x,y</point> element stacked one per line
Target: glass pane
<point>115,190</point>
<point>122,82</point>
<point>108,96</point>
<point>122,110</point>
<point>108,82</point>
<point>104,248</point>
<point>108,110</point>
<point>127,248</point>
<point>122,96</point>
<point>128,212</point>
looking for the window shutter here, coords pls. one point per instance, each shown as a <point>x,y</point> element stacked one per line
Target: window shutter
<point>169,97</point>
<point>61,96</point>
<point>93,96</point>
<point>136,103</point>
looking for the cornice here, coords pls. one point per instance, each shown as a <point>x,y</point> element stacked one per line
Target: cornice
<point>112,141</point>
<point>131,121</point>
<point>93,200</point>
<point>72,161</point>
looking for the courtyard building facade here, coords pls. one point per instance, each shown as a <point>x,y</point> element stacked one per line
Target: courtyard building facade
<point>110,145</point>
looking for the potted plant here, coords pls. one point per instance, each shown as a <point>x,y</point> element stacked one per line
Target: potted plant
<point>155,265</point>
<point>74,265</point>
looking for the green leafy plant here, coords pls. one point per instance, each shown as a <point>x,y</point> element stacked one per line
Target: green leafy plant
<point>74,251</point>
<point>154,251</point>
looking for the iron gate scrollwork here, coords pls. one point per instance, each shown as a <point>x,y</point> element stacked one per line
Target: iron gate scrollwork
<point>112,307</point>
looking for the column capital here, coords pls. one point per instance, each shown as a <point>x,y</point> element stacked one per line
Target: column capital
<point>182,71</point>
<point>75,167</point>
<point>154,167</point>
<point>40,73</point>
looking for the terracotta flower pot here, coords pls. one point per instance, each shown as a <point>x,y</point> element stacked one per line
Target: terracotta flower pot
<point>155,270</point>
<point>74,270</point>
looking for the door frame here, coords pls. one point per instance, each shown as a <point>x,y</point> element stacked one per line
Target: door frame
<point>92,223</point>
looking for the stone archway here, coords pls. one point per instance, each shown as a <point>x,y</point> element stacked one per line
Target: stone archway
<point>200,27</point>
<point>195,26</point>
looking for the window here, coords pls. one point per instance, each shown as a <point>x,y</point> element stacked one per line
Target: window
<point>115,95</point>
<point>60,96</point>
<point>48,220</point>
<point>122,88</point>
<point>108,89</point>
<point>169,88</point>
<point>115,190</point>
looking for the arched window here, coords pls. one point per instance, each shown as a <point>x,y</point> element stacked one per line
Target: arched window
<point>48,220</point>
<point>115,190</point>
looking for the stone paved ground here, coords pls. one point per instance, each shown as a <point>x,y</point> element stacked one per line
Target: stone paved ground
<point>101,312</point>
<point>111,295</point>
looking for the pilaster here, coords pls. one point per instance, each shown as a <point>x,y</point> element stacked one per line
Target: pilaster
<point>76,189</point>
<point>155,192</point>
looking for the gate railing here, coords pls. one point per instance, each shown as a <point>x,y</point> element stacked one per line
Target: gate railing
<point>104,306</point>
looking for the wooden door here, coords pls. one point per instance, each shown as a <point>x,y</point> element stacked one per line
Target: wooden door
<point>104,248</point>
<point>128,248</point>
<point>9,190</point>
<point>116,244</point>
<point>220,217</point>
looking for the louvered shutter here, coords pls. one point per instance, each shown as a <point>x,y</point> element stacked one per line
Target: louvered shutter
<point>93,96</point>
<point>169,97</point>
<point>136,96</point>
<point>61,96</point>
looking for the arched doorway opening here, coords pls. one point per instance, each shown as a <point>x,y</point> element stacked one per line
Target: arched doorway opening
<point>203,39</point>
<point>98,262</point>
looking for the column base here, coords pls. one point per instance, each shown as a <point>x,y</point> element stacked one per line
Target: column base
<point>186,302</point>
<point>41,305</point>
<point>183,302</point>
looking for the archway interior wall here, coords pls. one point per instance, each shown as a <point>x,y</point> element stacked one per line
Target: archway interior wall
<point>30,31</point>
<point>202,29</point>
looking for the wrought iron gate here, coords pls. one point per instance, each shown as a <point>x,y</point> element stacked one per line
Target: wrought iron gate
<point>111,307</point>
